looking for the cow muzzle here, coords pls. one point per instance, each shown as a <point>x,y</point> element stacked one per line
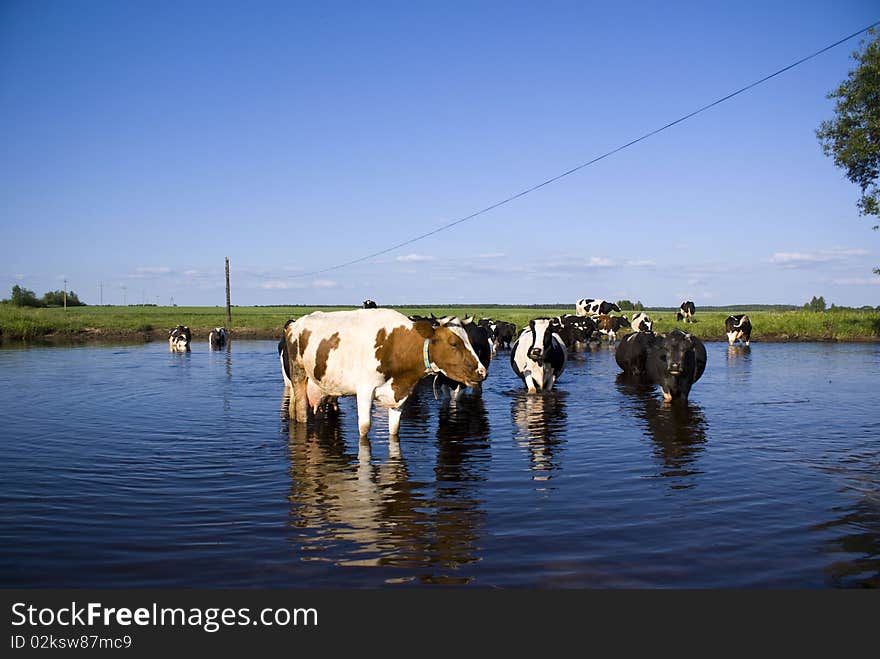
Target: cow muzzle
<point>674,369</point>
<point>536,354</point>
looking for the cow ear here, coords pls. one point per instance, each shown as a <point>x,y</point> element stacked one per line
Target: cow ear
<point>424,328</point>
<point>467,320</point>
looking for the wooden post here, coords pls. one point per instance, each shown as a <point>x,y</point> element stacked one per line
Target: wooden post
<point>228,305</point>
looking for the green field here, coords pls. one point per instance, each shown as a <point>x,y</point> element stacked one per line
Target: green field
<point>137,323</point>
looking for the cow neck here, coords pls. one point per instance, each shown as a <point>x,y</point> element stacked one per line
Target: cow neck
<point>429,365</point>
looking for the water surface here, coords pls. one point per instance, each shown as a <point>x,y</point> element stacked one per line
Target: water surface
<point>130,466</point>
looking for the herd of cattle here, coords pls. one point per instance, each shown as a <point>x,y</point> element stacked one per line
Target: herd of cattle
<point>379,354</point>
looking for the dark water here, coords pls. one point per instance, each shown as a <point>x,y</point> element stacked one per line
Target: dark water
<point>130,466</point>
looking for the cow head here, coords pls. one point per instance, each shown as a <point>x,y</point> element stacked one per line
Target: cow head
<point>542,330</point>
<point>676,353</point>
<point>450,351</point>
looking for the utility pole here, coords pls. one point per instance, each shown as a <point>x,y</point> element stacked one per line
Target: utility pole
<point>228,306</point>
<point>65,293</point>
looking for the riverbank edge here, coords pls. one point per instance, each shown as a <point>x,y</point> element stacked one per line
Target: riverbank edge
<point>100,336</point>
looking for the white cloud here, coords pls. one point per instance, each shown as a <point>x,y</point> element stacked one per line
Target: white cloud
<point>151,270</point>
<point>281,285</point>
<point>415,258</point>
<point>190,273</point>
<point>600,262</point>
<point>812,257</point>
<point>325,283</point>
<point>640,264</point>
<point>491,255</point>
<point>857,281</point>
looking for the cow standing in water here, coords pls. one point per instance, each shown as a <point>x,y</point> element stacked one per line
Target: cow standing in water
<point>481,342</point>
<point>538,356</point>
<point>673,361</point>
<point>641,322</point>
<point>373,354</point>
<point>179,339</point>
<point>217,338</point>
<point>738,328</point>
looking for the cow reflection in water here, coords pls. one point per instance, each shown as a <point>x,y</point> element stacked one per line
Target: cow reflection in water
<point>739,363</point>
<point>351,510</point>
<point>540,425</point>
<point>678,431</point>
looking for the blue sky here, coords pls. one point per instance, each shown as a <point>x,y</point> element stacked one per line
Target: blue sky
<point>145,141</point>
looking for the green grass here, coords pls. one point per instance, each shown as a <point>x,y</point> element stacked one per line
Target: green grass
<point>140,323</point>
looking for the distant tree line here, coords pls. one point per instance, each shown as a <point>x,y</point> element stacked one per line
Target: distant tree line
<point>22,297</point>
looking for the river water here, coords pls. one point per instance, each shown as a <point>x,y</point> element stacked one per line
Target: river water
<point>128,466</point>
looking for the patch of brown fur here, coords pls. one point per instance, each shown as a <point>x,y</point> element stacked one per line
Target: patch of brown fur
<point>304,341</point>
<point>400,356</point>
<point>323,354</point>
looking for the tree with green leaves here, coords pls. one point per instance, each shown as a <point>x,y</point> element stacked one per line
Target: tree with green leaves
<point>852,138</point>
<point>816,304</point>
<point>22,297</point>
<point>56,299</point>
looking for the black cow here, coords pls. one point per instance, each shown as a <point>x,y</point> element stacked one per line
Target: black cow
<point>481,342</point>
<point>686,312</point>
<point>502,333</point>
<point>370,304</point>
<point>575,329</point>
<point>217,338</point>
<point>673,361</point>
<point>738,328</point>
<point>179,338</point>
<point>538,355</point>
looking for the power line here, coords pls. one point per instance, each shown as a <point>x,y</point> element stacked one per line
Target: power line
<point>571,171</point>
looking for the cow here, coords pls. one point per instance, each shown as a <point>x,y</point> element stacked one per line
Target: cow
<point>641,322</point>
<point>217,338</point>
<point>375,354</point>
<point>673,361</point>
<point>591,307</point>
<point>575,329</point>
<point>504,333</point>
<point>479,338</point>
<point>738,328</point>
<point>179,338</point>
<point>370,304</point>
<point>686,312</point>
<point>538,355</point>
<point>608,325</point>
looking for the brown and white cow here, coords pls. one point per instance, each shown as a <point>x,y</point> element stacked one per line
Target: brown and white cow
<point>608,325</point>
<point>373,354</point>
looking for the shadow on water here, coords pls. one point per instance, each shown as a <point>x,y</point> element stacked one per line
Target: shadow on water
<point>678,429</point>
<point>354,512</point>
<point>540,421</point>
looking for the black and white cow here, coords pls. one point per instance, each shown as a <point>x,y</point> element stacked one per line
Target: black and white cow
<point>505,333</point>
<point>480,340</point>
<point>589,307</point>
<point>673,361</point>
<point>609,325</point>
<point>641,322</point>
<point>686,312</point>
<point>217,338</point>
<point>370,304</point>
<point>179,338</point>
<point>575,330</point>
<point>738,328</point>
<point>538,355</point>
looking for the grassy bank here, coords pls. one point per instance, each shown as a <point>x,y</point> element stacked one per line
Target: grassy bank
<point>153,323</point>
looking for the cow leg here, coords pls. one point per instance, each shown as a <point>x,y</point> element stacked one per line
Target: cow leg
<point>394,420</point>
<point>365,407</point>
<point>299,403</point>
<point>731,338</point>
